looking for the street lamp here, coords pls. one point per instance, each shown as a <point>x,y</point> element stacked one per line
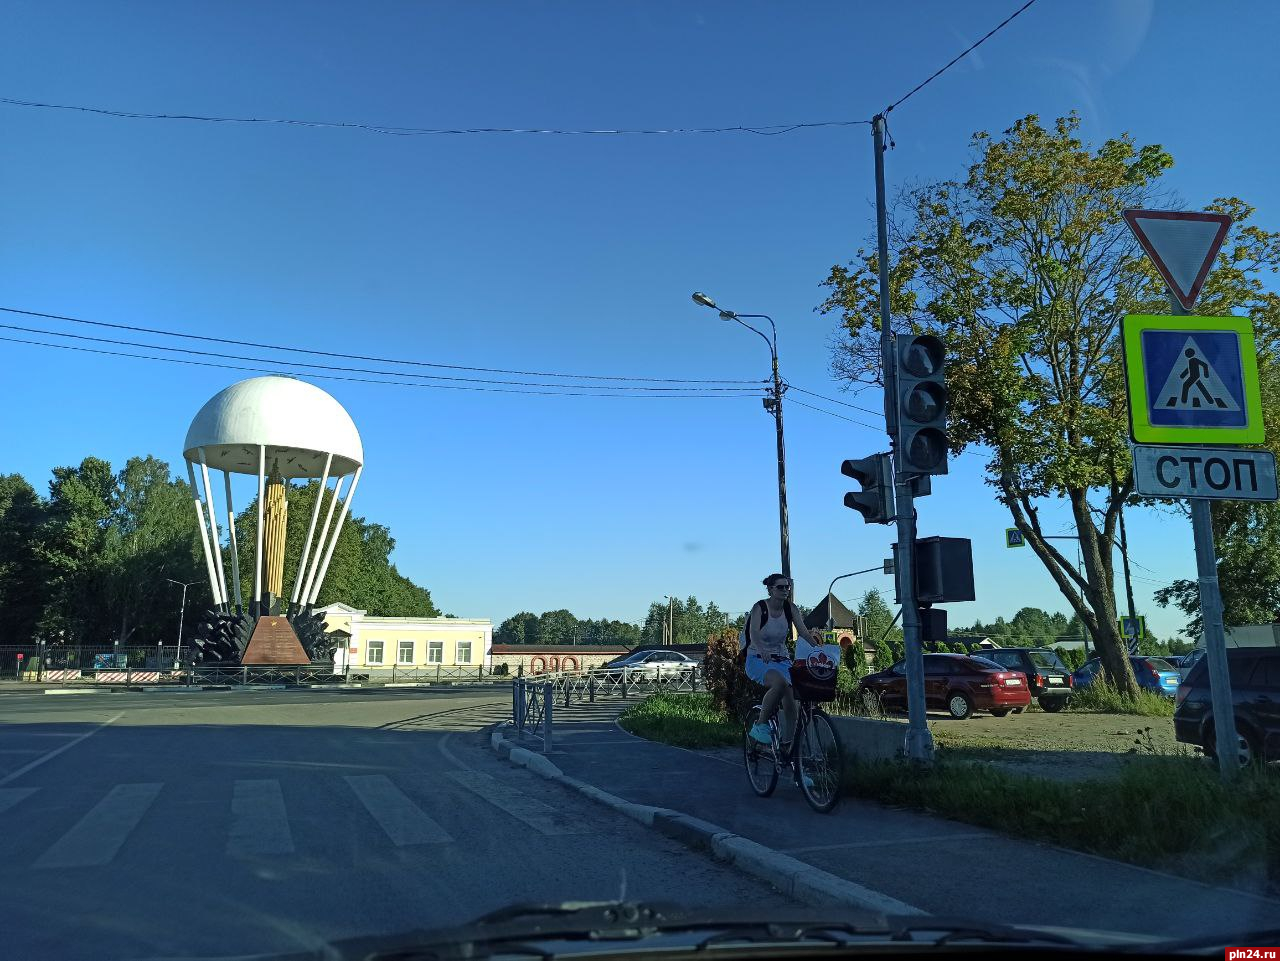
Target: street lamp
<point>182,611</point>
<point>831,587</point>
<point>772,403</point>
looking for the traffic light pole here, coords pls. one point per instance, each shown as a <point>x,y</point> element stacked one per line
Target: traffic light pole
<point>919,745</point>
<point>784,522</point>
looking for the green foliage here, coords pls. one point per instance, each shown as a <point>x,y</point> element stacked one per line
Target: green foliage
<point>1073,657</point>
<point>685,720</point>
<point>691,622</point>
<point>554,627</point>
<point>360,572</point>
<point>24,585</point>
<point>1125,818</point>
<point>887,638</point>
<point>1104,697</point>
<point>1025,267</point>
<point>92,563</point>
<point>731,690</point>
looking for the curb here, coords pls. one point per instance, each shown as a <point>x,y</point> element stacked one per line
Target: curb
<point>789,875</point>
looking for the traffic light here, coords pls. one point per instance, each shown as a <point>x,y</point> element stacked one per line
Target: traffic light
<point>875,501</point>
<point>922,404</point>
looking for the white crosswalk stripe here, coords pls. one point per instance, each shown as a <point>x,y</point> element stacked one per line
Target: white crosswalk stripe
<point>540,816</point>
<point>259,822</point>
<point>402,820</point>
<point>100,833</point>
<point>10,796</point>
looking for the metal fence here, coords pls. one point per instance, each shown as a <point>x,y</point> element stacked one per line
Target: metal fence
<point>59,664</point>
<point>534,698</point>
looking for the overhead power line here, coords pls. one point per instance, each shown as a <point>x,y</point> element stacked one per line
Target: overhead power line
<point>361,370</point>
<point>589,392</point>
<point>345,356</point>
<point>764,130</point>
<point>832,400</point>
<point>831,413</point>
<point>956,59</point>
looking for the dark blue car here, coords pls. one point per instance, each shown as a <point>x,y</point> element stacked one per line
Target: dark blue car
<point>1153,673</point>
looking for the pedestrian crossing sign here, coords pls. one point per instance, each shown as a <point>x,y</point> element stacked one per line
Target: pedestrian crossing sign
<point>1192,380</point>
<point>1013,538</point>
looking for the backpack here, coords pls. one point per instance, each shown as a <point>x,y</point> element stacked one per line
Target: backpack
<point>764,619</point>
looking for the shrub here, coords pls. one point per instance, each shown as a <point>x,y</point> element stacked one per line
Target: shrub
<point>1103,696</point>
<point>685,720</point>
<point>732,692</point>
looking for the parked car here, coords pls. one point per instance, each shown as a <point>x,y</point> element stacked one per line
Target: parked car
<point>1048,679</point>
<point>1175,660</point>
<point>1255,695</point>
<point>650,664</point>
<point>1153,673</point>
<point>956,683</point>
<point>1190,661</point>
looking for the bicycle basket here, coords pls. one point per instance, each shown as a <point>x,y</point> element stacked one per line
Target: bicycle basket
<point>813,684</point>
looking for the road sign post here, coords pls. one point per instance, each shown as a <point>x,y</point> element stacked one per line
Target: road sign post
<point>1193,380</point>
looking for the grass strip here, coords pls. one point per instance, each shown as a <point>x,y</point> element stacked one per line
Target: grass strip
<point>1169,813</point>
<point>685,720</point>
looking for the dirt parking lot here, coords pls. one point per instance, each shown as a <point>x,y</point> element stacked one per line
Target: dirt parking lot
<point>1069,744</point>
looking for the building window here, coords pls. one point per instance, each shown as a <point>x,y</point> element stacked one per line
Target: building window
<point>435,652</point>
<point>464,652</point>
<point>405,653</point>
<point>374,653</point>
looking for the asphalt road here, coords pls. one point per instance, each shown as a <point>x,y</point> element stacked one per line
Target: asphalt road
<point>221,823</point>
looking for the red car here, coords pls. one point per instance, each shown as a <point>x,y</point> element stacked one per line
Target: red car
<point>956,683</point>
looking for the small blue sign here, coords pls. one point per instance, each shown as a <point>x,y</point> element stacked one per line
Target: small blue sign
<point>1194,378</point>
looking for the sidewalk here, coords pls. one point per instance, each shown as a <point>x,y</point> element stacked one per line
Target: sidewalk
<point>939,866</point>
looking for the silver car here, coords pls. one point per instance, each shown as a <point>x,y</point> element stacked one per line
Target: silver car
<point>651,665</point>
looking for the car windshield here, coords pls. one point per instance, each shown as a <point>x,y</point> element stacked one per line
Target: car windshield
<point>466,454</point>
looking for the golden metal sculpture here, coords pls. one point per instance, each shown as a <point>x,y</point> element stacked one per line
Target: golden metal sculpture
<point>274,527</point>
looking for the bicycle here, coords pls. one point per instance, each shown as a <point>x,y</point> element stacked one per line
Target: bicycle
<point>815,759</point>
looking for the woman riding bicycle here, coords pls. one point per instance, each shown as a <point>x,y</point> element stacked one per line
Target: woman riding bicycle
<point>767,631</point>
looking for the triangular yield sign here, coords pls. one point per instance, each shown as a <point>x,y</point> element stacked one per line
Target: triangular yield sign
<point>1181,244</point>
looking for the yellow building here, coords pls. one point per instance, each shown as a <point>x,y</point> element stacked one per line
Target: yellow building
<point>413,646</point>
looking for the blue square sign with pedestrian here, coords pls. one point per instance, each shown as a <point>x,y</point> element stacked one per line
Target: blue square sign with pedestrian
<point>1192,380</point>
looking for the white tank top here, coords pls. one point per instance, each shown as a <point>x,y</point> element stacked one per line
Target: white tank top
<point>773,637</point>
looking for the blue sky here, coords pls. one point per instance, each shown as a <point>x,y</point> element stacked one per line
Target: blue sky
<point>572,254</point>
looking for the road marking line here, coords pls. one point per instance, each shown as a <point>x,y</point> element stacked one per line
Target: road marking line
<point>11,796</point>
<point>259,823</point>
<point>101,833</point>
<point>402,820</point>
<point>931,839</point>
<point>58,750</point>
<point>541,817</point>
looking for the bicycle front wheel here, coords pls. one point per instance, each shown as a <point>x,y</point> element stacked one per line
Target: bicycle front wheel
<point>762,766</point>
<point>821,762</point>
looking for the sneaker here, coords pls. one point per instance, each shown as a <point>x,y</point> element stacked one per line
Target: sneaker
<point>760,734</point>
<point>808,781</point>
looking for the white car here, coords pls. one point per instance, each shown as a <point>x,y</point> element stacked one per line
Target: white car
<point>651,665</point>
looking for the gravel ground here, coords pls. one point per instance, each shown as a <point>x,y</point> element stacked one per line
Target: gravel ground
<point>1068,745</point>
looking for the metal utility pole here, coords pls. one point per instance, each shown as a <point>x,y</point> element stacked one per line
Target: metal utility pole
<point>1226,740</point>
<point>919,745</point>
<point>1124,557</point>
<point>772,403</point>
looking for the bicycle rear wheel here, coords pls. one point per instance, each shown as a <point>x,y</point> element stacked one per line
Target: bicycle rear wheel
<point>821,762</point>
<point>762,766</point>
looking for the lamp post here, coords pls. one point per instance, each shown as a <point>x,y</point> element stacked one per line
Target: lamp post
<point>182,611</point>
<point>771,403</point>
<point>831,586</point>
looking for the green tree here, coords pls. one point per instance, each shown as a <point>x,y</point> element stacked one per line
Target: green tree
<point>1025,268</point>
<point>360,572</point>
<point>519,628</point>
<point>24,585</point>
<point>558,627</point>
<point>881,629</point>
<point>70,548</point>
<point>151,536</point>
